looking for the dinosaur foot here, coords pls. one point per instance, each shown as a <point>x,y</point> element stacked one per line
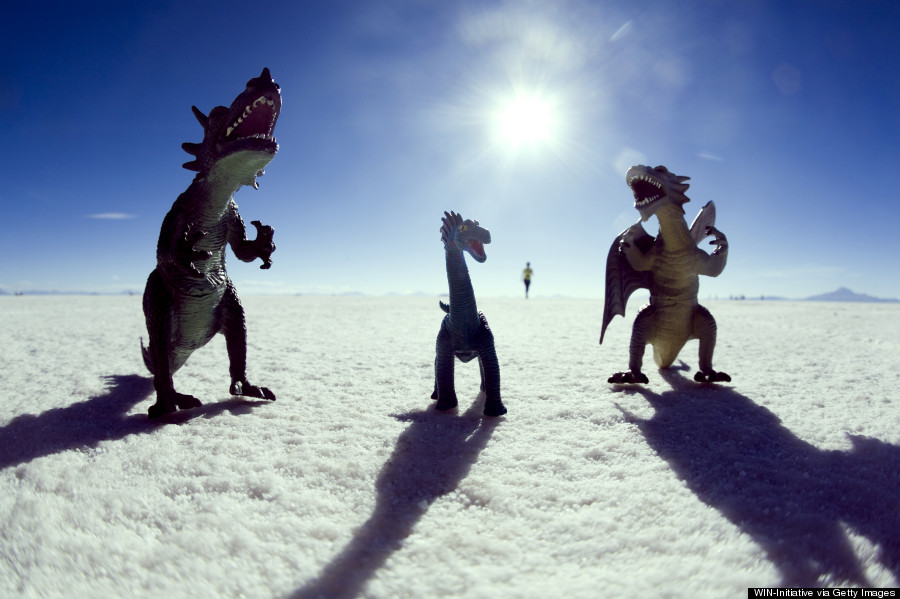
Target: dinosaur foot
<point>712,377</point>
<point>247,390</point>
<point>494,407</point>
<point>168,403</point>
<point>446,403</point>
<point>628,378</point>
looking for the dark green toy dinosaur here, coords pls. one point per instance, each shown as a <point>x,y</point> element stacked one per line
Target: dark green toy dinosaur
<point>189,297</point>
<point>464,333</point>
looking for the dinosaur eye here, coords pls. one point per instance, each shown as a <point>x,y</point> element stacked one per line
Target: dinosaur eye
<point>463,228</point>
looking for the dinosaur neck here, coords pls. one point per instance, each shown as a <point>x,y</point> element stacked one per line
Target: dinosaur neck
<point>463,309</point>
<point>673,229</point>
<point>212,196</point>
<point>227,175</point>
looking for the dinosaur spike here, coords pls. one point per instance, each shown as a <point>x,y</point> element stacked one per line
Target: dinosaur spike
<point>191,148</point>
<point>202,118</point>
<point>193,165</point>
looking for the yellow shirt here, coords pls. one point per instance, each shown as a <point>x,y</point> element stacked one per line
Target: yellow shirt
<point>526,274</point>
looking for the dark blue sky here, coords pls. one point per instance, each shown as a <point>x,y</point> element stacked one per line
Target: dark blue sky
<point>783,112</point>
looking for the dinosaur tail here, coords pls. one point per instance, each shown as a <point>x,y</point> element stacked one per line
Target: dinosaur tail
<point>145,351</point>
<point>444,307</point>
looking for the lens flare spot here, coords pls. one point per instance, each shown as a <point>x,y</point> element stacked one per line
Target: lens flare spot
<point>525,120</point>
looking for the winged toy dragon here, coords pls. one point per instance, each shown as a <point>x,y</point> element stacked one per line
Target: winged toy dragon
<point>464,333</point>
<point>189,297</point>
<point>668,265</point>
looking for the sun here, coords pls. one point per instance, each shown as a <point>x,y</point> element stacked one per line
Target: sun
<point>526,120</point>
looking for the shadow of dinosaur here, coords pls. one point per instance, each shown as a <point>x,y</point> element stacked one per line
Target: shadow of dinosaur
<point>87,423</point>
<point>431,457</point>
<point>792,498</point>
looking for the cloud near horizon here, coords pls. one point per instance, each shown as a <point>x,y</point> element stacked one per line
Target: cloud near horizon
<point>111,216</point>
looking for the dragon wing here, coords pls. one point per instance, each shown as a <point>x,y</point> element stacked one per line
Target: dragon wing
<point>705,218</point>
<point>621,278</point>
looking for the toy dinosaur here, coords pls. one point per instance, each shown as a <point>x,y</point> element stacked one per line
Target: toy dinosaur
<point>464,333</point>
<point>668,265</point>
<point>189,297</point>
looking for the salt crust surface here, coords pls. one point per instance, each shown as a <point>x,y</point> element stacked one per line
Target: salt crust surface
<point>351,485</point>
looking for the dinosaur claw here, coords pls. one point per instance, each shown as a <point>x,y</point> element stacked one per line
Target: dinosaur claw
<point>247,390</point>
<point>712,377</point>
<point>186,402</point>
<point>446,403</point>
<point>169,402</point>
<point>264,234</point>
<point>494,408</point>
<point>187,255</point>
<point>192,236</point>
<point>160,409</point>
<point>628,378</point>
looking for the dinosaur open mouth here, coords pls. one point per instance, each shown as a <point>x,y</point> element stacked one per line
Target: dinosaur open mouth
<point>250,124</point>
<point>476,249</point>
<point>257,120</point>
<point>646,189</point>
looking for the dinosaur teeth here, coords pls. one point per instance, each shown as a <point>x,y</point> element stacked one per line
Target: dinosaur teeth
<point>646,201</point>
<point>248,110</point>
<point>643,185</point>
<point>650,180</point>
<point>647,179</point>
<point>265,136</point>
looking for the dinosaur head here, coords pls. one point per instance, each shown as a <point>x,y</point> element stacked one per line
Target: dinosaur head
<point>464,235</point>
<point>654,188</point>
<point>240,137</point>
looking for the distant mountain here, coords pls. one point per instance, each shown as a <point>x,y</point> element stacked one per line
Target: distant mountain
<point>845,295</point>
<point>54,292</point>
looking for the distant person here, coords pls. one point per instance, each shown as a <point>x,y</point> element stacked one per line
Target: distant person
<point>526,277</point>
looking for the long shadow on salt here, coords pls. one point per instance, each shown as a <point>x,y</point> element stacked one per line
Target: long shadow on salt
<point>102,418</point>
<point>794,500</point>
<point>431,457</point>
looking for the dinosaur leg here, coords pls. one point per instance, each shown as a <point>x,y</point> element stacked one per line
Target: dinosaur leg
<point>640,336</point>
<point>704,329</point>
<point>158,307</point>
<point>493,405</point>
<point>490,371</point>
<point>444,385</point>
<point>234,327</point>
<point>481,370</point>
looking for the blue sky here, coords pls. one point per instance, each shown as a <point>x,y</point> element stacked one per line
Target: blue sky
<point>783,112</point>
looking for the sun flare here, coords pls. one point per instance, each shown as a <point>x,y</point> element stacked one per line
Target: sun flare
<point>525,120</point>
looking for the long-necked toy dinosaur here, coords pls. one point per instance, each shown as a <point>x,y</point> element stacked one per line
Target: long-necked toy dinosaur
<point>668,265</point>
<point>189,297</point>
<point>464,333</point>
